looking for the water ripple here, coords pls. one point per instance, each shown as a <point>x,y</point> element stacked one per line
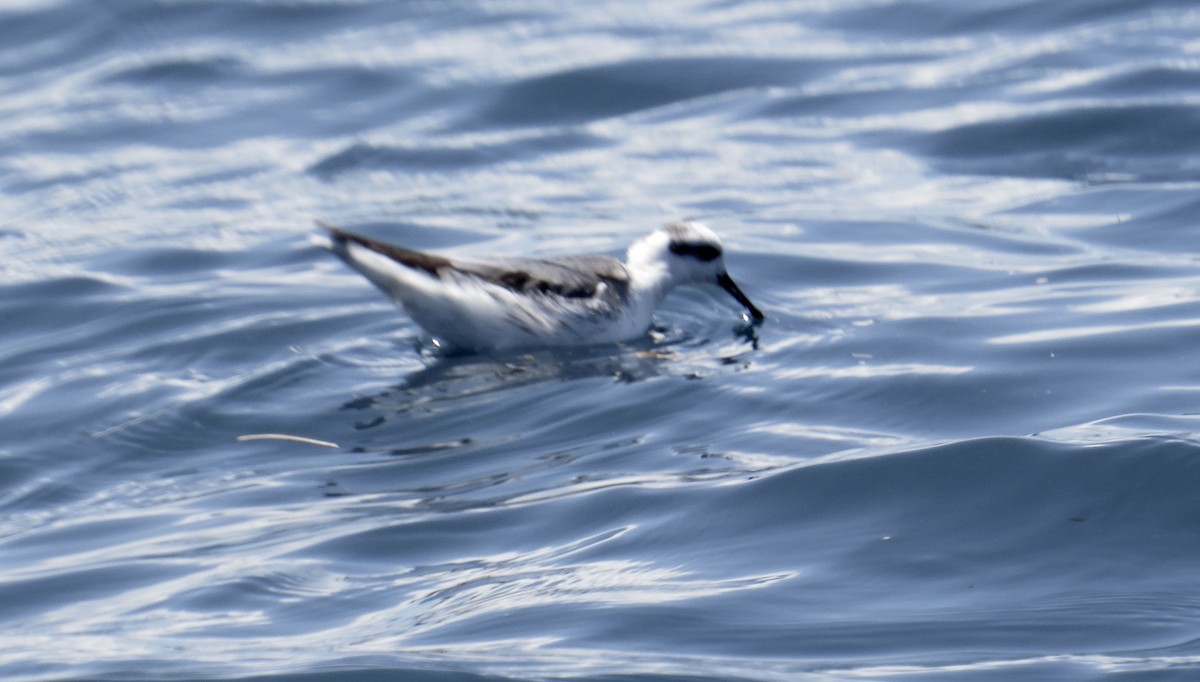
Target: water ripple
<point>963,433</point>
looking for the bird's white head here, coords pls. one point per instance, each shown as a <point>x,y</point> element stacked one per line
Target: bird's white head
<point>688,253</point>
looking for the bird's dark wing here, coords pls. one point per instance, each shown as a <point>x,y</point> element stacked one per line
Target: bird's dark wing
<point>417,260</point>
<point>569,277</point>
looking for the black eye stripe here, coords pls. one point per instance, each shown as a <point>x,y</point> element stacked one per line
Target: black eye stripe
<point>703,252</point>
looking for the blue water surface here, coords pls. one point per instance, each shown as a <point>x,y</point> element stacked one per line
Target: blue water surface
<point>963,446</point>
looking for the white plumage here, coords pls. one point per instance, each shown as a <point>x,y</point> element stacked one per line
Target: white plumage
<point>530,302</point>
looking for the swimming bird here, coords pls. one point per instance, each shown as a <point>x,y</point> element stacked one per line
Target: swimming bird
<point>511,303</point>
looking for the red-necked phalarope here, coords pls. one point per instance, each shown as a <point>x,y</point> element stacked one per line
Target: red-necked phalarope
<point>529,302</point>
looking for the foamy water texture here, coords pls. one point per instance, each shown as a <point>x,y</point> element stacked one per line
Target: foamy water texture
<point>963,446</point>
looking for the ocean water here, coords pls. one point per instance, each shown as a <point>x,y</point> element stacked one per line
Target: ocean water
<point>963,446</point>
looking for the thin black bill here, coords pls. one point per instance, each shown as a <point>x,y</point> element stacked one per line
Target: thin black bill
<point>726,282</point>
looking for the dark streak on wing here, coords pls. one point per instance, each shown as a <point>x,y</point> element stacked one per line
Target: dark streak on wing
<point>414,259</point>
<point>569,277</point>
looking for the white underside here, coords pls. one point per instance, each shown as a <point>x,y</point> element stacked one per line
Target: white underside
<point>468,313</point>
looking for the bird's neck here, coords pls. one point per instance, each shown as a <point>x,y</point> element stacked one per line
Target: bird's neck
<point>650,278</point>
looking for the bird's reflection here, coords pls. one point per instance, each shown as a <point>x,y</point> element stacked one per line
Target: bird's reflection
<point>447,378</point>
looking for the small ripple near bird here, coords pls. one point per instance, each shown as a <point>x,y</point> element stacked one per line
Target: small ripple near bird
<point>511,303</point>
